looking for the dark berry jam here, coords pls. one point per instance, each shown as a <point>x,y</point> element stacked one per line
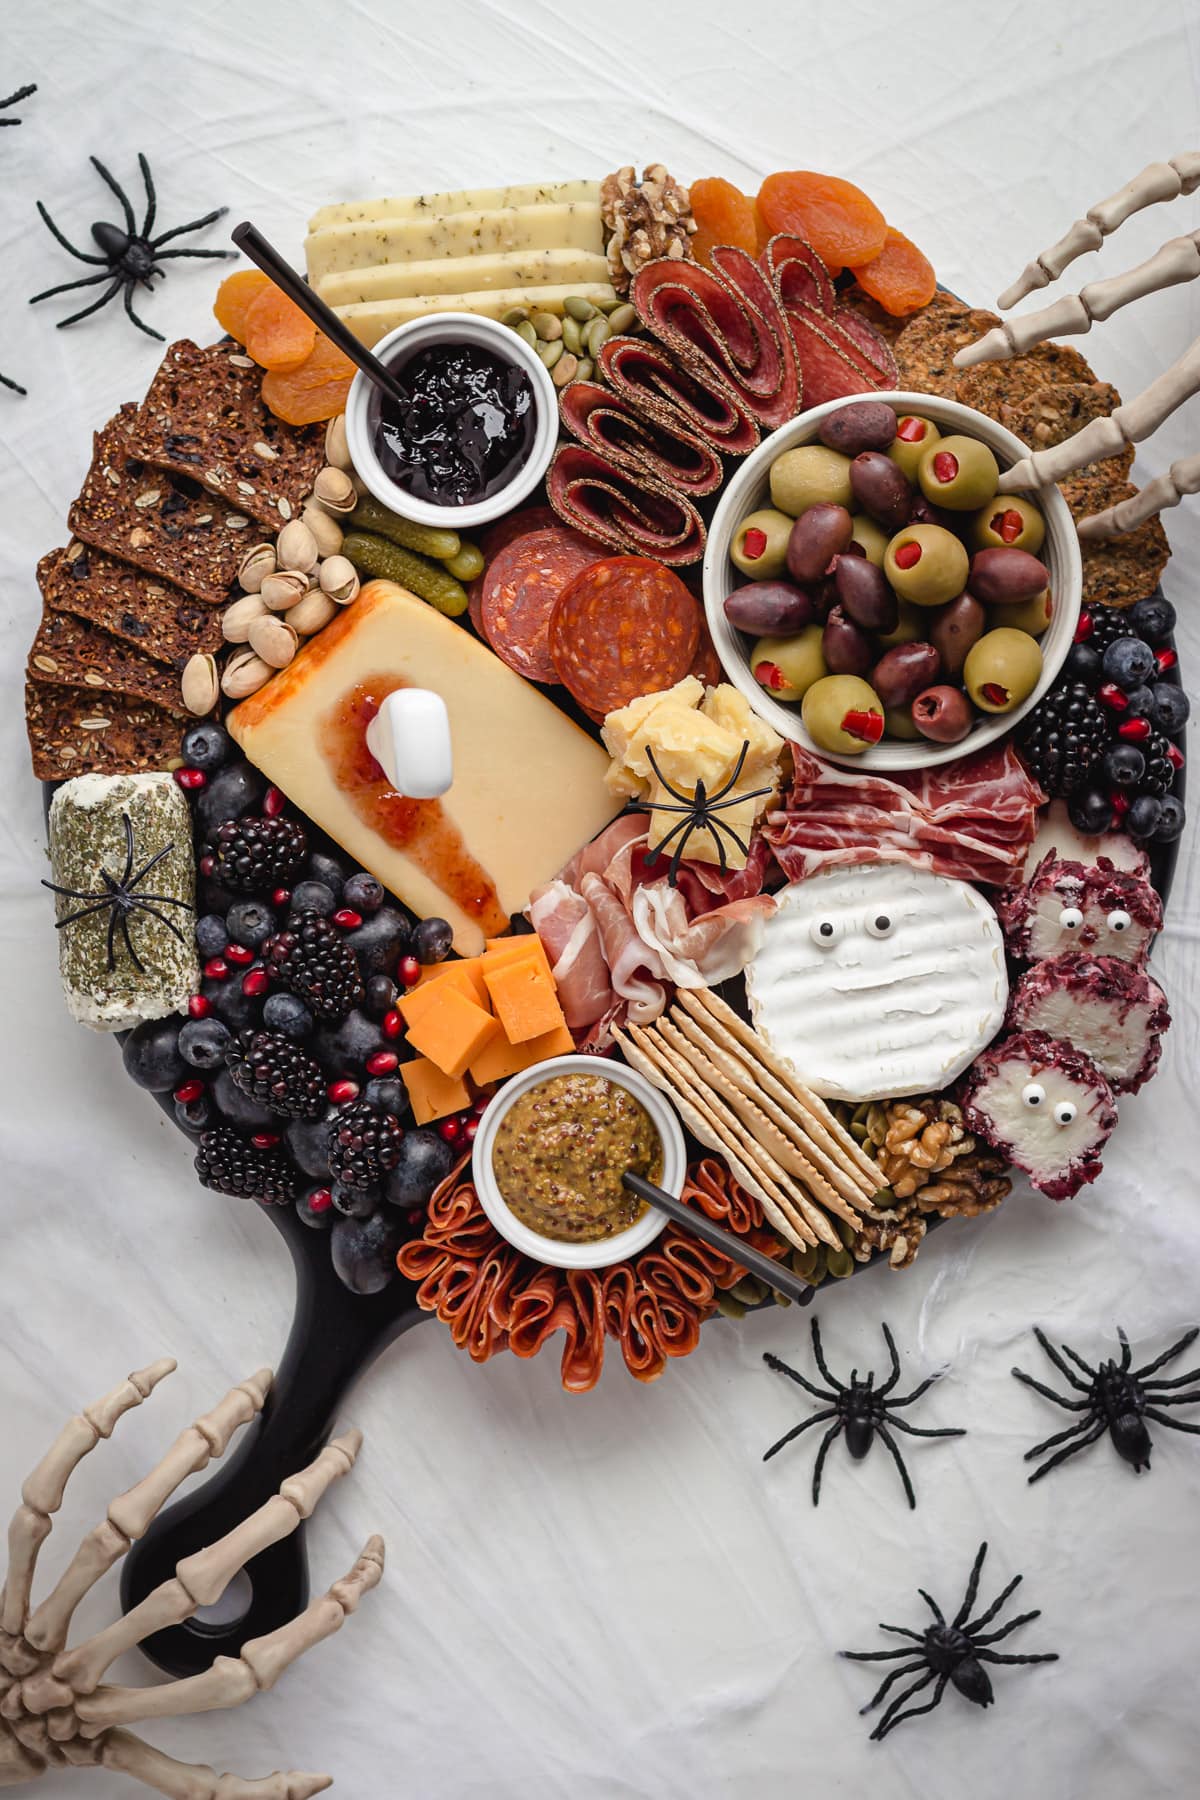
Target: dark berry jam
<point>466,428</point>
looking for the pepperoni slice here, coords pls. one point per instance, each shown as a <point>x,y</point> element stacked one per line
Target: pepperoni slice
<point>514,525</point>
<point>624,627</point>
<point>520,588</point>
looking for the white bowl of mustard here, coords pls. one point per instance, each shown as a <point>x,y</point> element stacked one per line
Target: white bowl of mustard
<point>491,1180</point>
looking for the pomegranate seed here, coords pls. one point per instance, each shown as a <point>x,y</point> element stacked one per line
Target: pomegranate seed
<point>1134,731</point>
<point>865,725</point>
<point>945,465</point>
<point>1175,756</point>
<point>281,896</point>
<point>191,779</point>
<point>255,982</point>
<point>190,1090</point>
<point>1166,659</point>
<point>393,1025</point>
<point>216,968</point>
<point>908,555</point>
<point>238,953</point>
<point>1084,629</point>
<point>470,1130</point>
<point>754,543</point>
<point>409,971</point>
<point>198,1007</point>
<point>265,1140</point>
<point>207,864</point>
<point>382,1062</point>
<point>450,1130</point>
<point>910,430</point>
<point>414,1215</point>
<point>1009,526</point>
<point>347,919</point>
<point>273,803</point>
<point>340,1091</point>
<point>480,1104</point>
<point>1113,697</point>
<point>1120,802</point>
<point>320,1201</point>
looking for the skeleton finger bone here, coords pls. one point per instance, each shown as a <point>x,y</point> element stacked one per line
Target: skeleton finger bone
<point>1183,477</point>
<point>193,1781</point>
<point>1160,181</point>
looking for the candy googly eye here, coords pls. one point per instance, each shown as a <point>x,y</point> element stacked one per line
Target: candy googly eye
<point>1119,921</point>
<point>880,925</point>
<point>825,933</point>
<point>1033,1095</point>
<point>1066,1112</point>
<point>1070,918</point>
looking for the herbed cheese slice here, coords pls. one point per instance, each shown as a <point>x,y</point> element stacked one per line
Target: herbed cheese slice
<point>572,225</point>
<point>373,319</point>
<point>418,206</point>
<point>528,787</point>
<point>454,275</point>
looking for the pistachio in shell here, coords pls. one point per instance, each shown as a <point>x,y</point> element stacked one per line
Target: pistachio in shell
<point>255,566</point>
<point>199,685</point>
<point>281,591</point>
<point>296,547</point>
<point>244,674</point>
<point>237,619</point>
<point>339,579</point>
<point>274,640</point>
<point>335,491</point>
<point>324,527</point>
<point>337,449</point>
<point>311,614</point>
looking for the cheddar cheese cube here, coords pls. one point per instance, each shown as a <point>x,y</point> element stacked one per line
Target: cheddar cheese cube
<point>523,998</point>
<point>464,973</point>
<point>500,1059</point>
<point>432,1093</point>
<point>451,1030</point>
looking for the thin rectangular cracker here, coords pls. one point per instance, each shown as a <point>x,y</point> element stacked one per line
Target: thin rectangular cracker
<point>153,615</point>
<point>72,652</point>
<point>204,416</point>
<point>75,731</point>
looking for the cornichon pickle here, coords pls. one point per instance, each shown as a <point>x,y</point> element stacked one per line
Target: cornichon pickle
<point>467,564</point>
<point>371,515</point>
<point>382,560</point>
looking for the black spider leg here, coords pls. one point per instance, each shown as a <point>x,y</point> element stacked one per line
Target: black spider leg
<point>112,182</point>
<point>893,1450</point>
<point>132,316</point>
<point>166,255</point>
<point>1189,1337</point>
<point>22,93</point>
<point>827,1442</point>
<point>909,1668</point>
<point>14,386</point>
<point>894,1716</point>
<point>80,255</point>
<point>1078,1361</point>
<point>1061,1437</point>
<point>1040,1387</point>
<point>151,198</point>
<point>782,1368</point>
<point>68,287</point>
<point>830,1412</point>
<point>1161,1418</point>
<point>1061,1366</point>
<point>985,1618</point>
<point>1060,1456</point>
<point>819,1359</point>
<point>964,1611</point>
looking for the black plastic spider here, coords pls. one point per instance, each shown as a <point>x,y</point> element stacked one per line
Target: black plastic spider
<point>16,99</point>
<point>947,1652</point>
<point>118,895</point>
<point>129,256</point>
<point>861,1410</point>
<point>700,812</point>
<point>1117,1399</point>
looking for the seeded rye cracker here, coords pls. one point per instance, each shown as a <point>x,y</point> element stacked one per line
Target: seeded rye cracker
<point>153,615</point>
<point>204,417</point>
<point>1121,570</point>
<point>1050,415</point>
<point>166,524</point>
<point>924,350</point>
<point>991,386</point>
<point>76,731</point>
<point>72,652</point>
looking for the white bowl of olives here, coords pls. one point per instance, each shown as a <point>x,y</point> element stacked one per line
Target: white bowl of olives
<point>873,595</point>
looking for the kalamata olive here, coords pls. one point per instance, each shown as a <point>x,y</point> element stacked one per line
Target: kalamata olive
<point>865,595</point>
<point>942,714</point>
<point>818,535</point>
<point>1004,577</point>
<point>846,649</point>
<point>900,674</point>
<point>924,512</point>
<point>769,608</point>
<point>954,628</point>
<point>881,489</point>
<point>863,425</point>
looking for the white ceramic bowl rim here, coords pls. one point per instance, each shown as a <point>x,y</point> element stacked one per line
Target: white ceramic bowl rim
<point>362,408</point>
<point>741,496</point>
<point>600,1252</point>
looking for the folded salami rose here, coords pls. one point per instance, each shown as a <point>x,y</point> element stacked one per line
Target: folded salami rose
<point>622,510</point>
<point>733,328</point>
<point>644,372</point>
<point>639,436</point>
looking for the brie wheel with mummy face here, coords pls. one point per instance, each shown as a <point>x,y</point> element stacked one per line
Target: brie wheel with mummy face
<point>879,980</point>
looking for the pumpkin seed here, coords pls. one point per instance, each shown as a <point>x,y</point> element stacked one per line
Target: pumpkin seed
<point>564,370</point>
<point>547,325</point>
<point>576,307</point>
<point>839,1263</point>
<point>526,331</point>
<point>585,370</point>
<point>622,317</point>
<point>596,332</point>
<point>516,315</point>
<point>550,353</point>
<point>572,336</point>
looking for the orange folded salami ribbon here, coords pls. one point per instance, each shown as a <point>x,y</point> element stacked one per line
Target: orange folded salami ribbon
<point>643,372</point>
<point>639,437</point>
<point>624,510</point>
<point>626,1305</point>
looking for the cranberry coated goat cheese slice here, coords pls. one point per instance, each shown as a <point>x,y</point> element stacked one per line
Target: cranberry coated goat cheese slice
<point>528,785</point>
<point>879,979</point>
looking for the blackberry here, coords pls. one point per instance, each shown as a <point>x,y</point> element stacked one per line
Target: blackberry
<point>273,1070</point>
<point>227,1164</point>
<point>1064,737</point>
<point>1100,626</point>
<point>256,855</point>
<point>1160,770</point>
<point>363,1146</point>
<point>312,960</point>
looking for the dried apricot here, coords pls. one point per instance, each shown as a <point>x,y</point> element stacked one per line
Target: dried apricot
<point>234,297</point>
<point>278,335</point>
<point>901,277</point>
<point>723,216</point>
<point>844,227</point>
<point>316,390</point>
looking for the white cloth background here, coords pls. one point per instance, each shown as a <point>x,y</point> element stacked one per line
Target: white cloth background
<point>609,1597</point>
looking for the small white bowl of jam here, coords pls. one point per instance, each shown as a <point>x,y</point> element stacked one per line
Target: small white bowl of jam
<point>478,433</point>
<point>550,1153</point>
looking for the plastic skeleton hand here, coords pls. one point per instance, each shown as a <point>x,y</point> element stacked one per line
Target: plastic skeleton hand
<point>1178,260</point>
<point>54,1712</point>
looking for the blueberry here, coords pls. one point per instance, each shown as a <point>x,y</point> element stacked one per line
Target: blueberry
<point>151,1054</point>
<point>238,1108</point>
<point>194,1116</point>
<point>355,1203</point>
<point>211,935</point>
<point>1090,811</point>
<point>343,1048</point>
<point>381,996</point>
<point>1153,619</point>
<point>328,869</point>
<point>287,1014</point>
<point>1083,664</point>
<point>314,896</point>
<point>363,893</point>
<point>1171,708</point>
<point>321,1219</point>
<point>308,1141</point>
<point>381,940</point>
<point>1144,816</point>
<point>431,940</point>
<point>206,746</point>
<point>1128,662</point>
<point>425,1159</point>
<point>232,1005</point>
<point>1124,765</point>
<point>363,1252</point>
<point>233,790</point>
<point>203,1042</point>
<point>1171,820</point>
<point>388,1094</point>
<point>249,922</point>
<point>1139,702</point>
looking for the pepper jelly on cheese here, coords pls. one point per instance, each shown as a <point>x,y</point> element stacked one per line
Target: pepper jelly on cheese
<point>528,786</point>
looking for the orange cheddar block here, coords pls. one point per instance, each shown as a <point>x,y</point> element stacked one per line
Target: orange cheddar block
<point>500,1059</point>
<point>524,998</point>
<point>451,1030</point>
<point>432,1093</point>
<point>515,949</point>
<point>465,973</point>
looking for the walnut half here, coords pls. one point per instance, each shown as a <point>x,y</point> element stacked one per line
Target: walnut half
<point>645,219</point>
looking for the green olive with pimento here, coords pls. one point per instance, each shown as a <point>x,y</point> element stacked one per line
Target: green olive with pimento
<point>786,667</point>
<point>958,473</point>
<point>926,564</point>
<point>843,713</point>
<point>1002,669</point>
<point>1008,522</point>
<point>803,477</point>
<point>760,544</point>
<point>914,436</point>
